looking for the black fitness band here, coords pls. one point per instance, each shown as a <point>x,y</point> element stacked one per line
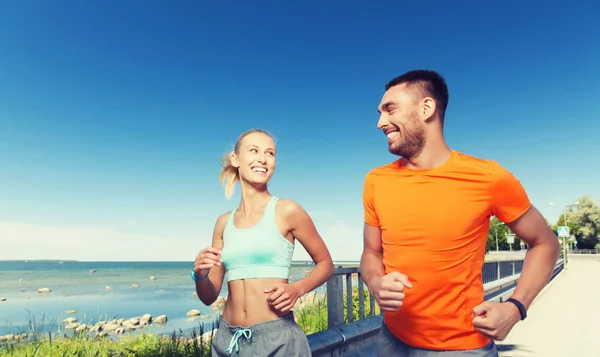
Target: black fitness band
<point>519,306</point>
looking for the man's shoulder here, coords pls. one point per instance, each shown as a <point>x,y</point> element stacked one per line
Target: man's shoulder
<point>472,159</point>
<point>475,163</point>
<point>387,169</point>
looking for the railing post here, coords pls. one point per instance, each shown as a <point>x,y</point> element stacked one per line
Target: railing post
<point>361,298</point>
<point>349,298</point>
<point>372,305</point>
<point>335,301</point>
<point>514,262</point>
<point>498,266</point>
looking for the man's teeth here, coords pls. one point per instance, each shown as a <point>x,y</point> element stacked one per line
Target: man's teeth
<point>392,134</point>
<point>259,169</point>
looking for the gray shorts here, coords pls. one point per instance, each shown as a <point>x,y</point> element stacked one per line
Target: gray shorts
<point>388,345</point>
<point>278,338</point>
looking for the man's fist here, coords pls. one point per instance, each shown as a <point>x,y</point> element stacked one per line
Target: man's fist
<point>388,291</point>
<point>495,320</point>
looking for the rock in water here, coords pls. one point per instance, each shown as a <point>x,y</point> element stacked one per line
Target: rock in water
<point>193,312</point>
<point>160,319</point>
<point>72,326</point>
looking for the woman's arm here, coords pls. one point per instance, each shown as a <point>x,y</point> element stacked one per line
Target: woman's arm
<point>208,289</point>
<point>282,297</point>
<point>304,230</point>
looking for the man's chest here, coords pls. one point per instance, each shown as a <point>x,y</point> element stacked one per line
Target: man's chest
<point>435,213</point>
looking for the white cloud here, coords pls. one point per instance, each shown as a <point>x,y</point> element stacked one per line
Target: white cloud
<point>26,241</point>
<point>21,241</point>
<point>343,238</point>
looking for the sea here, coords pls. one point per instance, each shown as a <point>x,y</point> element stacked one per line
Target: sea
<point>82,287</point>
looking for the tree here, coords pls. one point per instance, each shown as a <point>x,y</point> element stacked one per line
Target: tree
<point>497,227</point>
<point>584,223</point>
<point>572,223</point>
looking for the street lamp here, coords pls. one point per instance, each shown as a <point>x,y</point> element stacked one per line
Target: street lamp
<point>576,203</point>
<point>565,217</point>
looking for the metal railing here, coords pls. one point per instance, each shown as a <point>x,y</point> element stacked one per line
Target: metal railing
<point>584,251</point>
<point>347,337</point>
<point>335,296</point>
<point>496,270</point>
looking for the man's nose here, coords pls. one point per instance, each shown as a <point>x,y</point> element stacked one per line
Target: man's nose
<point>382,122</point>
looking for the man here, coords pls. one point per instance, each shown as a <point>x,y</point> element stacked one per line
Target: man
<point>426,225</point>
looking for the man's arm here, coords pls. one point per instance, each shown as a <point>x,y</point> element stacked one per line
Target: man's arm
<point>541,255</point>
<point>371,261</point>
<point>511,205</point>
<point>387,289</point>
<point>509,202</point>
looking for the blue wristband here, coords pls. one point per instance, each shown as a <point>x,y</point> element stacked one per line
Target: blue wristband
<point>196,278</point>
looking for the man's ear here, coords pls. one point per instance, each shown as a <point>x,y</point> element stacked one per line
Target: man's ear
<point>427,109</point>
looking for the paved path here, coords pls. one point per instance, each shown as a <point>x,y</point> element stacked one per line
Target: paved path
<point>565,318</point>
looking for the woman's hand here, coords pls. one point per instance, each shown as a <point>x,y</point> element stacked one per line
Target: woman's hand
<point>208,258</point>
<point>283,297</point>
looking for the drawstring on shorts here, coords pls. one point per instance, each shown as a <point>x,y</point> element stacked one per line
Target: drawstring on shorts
<point>236,336</point>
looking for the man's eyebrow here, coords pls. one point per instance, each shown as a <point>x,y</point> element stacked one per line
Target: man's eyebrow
<point>384,106</point>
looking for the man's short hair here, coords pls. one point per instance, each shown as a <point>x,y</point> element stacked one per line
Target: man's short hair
<point>428,83</point>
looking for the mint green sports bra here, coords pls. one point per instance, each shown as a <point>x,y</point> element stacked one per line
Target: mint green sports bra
<point>256,252</point>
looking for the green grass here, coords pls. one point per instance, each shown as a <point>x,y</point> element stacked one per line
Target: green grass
<point>312,317</point>
<point>81,344</point>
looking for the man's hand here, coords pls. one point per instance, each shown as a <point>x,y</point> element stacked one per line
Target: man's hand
<point>495,320</point>
<point>388,291</point>
<point>283,297</point>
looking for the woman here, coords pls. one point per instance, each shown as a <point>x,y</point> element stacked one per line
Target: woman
<point>254,245</point>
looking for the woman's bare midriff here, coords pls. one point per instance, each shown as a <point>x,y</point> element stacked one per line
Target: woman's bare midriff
<point>247,303</point>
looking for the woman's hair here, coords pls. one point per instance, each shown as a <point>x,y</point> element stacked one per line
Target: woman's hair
<point>229,174</point>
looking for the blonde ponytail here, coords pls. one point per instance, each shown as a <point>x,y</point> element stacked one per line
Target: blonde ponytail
<point>229,175</point>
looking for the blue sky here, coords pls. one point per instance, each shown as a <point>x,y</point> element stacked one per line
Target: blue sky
<point>114,114</point>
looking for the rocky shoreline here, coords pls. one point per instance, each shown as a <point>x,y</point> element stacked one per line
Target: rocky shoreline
<point>117,327</point>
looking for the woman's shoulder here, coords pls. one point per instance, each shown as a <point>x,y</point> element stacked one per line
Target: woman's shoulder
<point>288,207</point>
<point>222,219</point>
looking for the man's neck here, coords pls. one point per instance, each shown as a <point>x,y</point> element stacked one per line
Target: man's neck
<point>431,157</point>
